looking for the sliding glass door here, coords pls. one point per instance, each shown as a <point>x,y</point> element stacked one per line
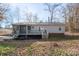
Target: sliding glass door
<point>23,29</point>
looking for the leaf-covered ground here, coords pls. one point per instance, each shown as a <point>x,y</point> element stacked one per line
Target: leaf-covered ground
<point>40,47</point>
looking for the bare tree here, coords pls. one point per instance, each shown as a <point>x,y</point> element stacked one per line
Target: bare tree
<point>71,18</point>
<point>67,13</point>
<point>9,20</point>
<point>35,18</point>
<point>18,13</point>
<point>64,14</point>
<point>3,10</point>
<point>50,9</point>
<point>29,17</point>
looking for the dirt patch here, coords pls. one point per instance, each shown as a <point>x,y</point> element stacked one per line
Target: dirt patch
<point>5,32</point>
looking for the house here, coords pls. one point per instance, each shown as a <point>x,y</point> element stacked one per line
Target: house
<point>39,30</point>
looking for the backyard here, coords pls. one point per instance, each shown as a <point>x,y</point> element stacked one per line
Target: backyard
<point>40,47</point>
<point>26,20</point>
<point>54,46</point>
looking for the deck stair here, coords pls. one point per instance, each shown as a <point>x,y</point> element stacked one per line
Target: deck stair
<point>45,34</point>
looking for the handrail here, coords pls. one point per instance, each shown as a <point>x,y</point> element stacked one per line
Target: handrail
<point>34,32</point>
<point>15,35</point>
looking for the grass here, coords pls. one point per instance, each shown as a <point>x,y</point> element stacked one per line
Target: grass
<point>6,49</point>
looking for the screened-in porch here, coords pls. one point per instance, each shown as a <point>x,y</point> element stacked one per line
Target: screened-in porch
<point>30,31</point>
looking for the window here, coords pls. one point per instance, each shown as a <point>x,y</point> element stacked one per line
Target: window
<point>59,29</point>
<point>29,27</point>
<point>33,27</point>
<point>22,28</point>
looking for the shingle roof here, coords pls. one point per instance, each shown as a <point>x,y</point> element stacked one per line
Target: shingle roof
<point>40,24</point>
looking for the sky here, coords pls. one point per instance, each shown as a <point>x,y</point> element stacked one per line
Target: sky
<point>20,9</point>
<point>36,8</point>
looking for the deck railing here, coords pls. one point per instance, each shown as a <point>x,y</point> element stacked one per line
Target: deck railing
<point>44,33</point>
<point>34,32</point>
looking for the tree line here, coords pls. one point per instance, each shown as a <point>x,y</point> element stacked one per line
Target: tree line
<point>69,13</point>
